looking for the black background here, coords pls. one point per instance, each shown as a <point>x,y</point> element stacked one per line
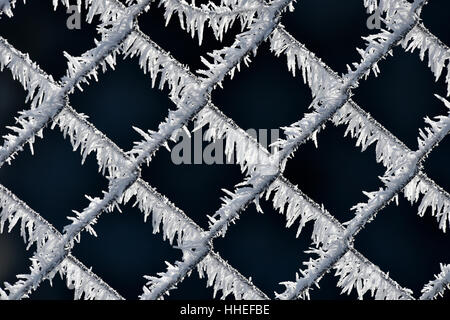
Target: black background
<point>263,96</point>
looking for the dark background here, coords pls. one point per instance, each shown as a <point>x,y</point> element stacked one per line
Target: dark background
<point>53,181</point>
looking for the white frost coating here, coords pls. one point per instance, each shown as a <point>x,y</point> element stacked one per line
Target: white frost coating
<point>285,194</point>
<point>353,273</point>
<point>436,126</point>
<point>47,260</point>
<point>85,284</point>
<point>6,7</point>
<point>241,198</point>
<point>50,96</point>
<point>75,126</point>
<point>193,101</point>
<point>249,154</point>
<point>436,287</point>
<point>154,61</point>
<point>37,84</point>
<point>418,38</point>
<point>79,138</point>
<point>438,53</point>
<point>190,236</point>
<point>290,201</point>
<point>435,199</point>
<point>112,161</point>
<point>255,161</point>
<point>328,102</point>
<point>217,17</point>
<point>175,224</point>
<point>221,278</point>
<point>365,279</point>
<point>360,125</point>
<point>388,150</point>
<point>85,137</point>
<point>236,201</point>
<point>35,230</point>
<point>337,94</point>
<point>219,275</point>
<point>395,179</point>
<point>314,72</point>
<point>396,11</point>
<point>367,131</point>
<point>225,61</point>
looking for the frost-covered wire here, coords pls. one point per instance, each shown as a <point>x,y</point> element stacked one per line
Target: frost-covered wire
<point>176,225</point>
<point>419,36</point>
<point>361,126</point>
<point>85,137</point>
<point>6,7</point>
<point>156,282</point>
<point>287,198</point>
<point>191,95</point>
<point>395,179</point>
<point>44,92</point>
<point>56,250</point>
<point>356,75</point>
<point>438,285</point>
<point>88,140</point>
<point>35,230</point>
<point>249,154</point>
<point>429,45</point>
<point>355,271</point>
<point>219,18</point>
<point>297,133</point>
<point>120,184</point>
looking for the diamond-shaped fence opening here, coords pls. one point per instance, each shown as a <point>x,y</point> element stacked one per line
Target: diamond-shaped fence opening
<point>142,253</point>
<point>332,241</point>
<point>253,242</point>
<point>334,172</point>
<point>54,182</point>
<point>331,29</point>
<point>405,246</point>
<point>184,46</point>
<point>271,96</point>
<point>406,86</point>
<point>172,173</point>
<point>41,32</point>
<point>123,98</point>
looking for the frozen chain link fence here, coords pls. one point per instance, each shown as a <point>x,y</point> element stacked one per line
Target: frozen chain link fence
<point>263,172</point>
